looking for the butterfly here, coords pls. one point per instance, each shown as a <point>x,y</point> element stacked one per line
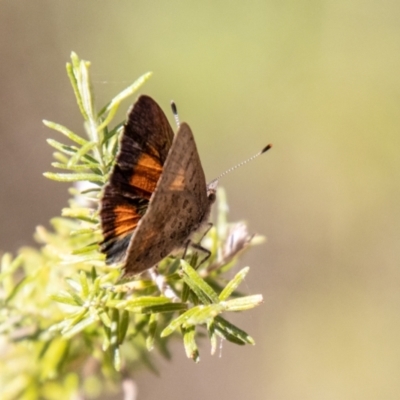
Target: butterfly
<point>156,197</point>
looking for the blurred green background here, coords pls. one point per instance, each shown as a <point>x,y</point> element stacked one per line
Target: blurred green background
<point>318,79</point>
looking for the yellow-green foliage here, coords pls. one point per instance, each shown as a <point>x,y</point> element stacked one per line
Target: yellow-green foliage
<point>68,326</point>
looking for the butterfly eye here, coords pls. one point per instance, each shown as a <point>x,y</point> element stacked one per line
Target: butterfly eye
<point>211,196</point>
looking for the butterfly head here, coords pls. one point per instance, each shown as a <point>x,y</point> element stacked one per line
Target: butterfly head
<point>212,190</point>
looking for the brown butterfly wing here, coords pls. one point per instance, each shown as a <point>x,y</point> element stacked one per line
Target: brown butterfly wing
<point>144,146</point>
<point>178,207</point>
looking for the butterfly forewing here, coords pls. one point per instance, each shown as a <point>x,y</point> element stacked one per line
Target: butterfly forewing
<point>177,208</point>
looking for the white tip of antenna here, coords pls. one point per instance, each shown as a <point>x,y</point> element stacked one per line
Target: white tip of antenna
<point>175,112</point>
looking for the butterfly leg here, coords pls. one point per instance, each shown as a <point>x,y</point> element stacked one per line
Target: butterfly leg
<point>210,225</point>
<point>187,244</point>
<point>198,245</point>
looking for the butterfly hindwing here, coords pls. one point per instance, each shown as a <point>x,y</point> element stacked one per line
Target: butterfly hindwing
<point>144,147</point>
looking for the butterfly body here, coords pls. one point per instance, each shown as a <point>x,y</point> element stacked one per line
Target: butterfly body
<point>157,196</point>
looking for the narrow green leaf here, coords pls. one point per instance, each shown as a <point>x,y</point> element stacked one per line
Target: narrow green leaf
<point>75,318</point>
<point>89,158</point>
<point>164,308</point>
<point>234,283</point>
<point>84,284</point>
<point>75,60</point>
<point>117,359</point>
<point>177,322</point>
<point>152,332</point>
<point>73,71</point>
<point>68,334</point>
<point>185,292</point>
<point>86,249</point>
<point>12,291</point>
<point>73,177</point>
<point>106,338</point>
<point>190,345</point>
<point>203,314</point>
<point>194,299</point>
<point>228,336</point>
<point>114,326</point>
<point>84,89</point>
<point>63,148</point>
<point>147,306</point>
<point>114,151</point>
<point>193,260</point>
<point>82,232</point>
<point>93,274</point>
<point>65,131</point>
<point>243,303</point>
<point>200,297</point>
<point>105,319</point>
<point>112,107</point>
<point>79,168</point>
<point>46,346</point>
<point>123,326</point>
<point>73,284</point>
<point>96,282</point>
<point>93,189</point>
<point>112,133</point>
<point>77,299</point>
<point>60,326</point>
<point>65,298</point>
<point>114,339</point>
<point>52,357</point>
<point>146,301</point>
<point>173,269</point>
<point>231,332</point>
<point>60,157</point>
<point>212,335</point>
<point>84,214</point>
<point>90,259</point>
<point>81,152</point>
<point>198,285</point>
<point>109,117</point>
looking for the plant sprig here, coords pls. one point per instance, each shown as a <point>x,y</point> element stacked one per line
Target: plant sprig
<point>64,311</point>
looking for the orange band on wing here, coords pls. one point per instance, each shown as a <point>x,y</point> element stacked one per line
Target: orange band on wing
<point>179,181</point>
<point>126,219</point>
<point>146,173</point>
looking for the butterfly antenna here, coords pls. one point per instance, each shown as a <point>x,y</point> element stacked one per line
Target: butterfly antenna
<point>266,148</point>
<point>175,112</point>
